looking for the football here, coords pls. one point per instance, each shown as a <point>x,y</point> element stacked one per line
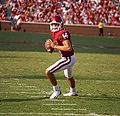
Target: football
<point>48,47</point>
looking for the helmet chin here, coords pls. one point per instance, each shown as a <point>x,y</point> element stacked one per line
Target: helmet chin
<point>54,30</point>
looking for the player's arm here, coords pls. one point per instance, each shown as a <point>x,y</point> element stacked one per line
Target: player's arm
<point>65,47</point>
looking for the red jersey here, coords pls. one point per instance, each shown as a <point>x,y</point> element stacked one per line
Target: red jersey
<point>59,37</point>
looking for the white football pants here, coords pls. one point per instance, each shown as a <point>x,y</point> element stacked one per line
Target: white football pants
<point>66,64</point>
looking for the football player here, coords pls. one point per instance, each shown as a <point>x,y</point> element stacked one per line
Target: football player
<point>61,42</point>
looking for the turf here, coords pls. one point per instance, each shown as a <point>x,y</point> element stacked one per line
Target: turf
<point>24,89</point>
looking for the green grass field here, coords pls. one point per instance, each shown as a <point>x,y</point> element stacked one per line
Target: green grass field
<point>25,91</point>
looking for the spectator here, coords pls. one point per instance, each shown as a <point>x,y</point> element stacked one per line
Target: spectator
<point>101,26</point>
<point>73,11</point>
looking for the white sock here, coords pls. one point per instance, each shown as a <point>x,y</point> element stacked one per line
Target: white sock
<point>56,88</point>
<point>72,89</point>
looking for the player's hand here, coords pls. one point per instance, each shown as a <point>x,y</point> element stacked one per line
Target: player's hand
<point>51,43</point>
<point>48,46</point>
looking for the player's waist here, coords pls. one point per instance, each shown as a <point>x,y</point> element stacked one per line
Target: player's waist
<point>73,57</point>
<point>67,54</point>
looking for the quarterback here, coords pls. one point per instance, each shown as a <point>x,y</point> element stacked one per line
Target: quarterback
<point>62,42</point>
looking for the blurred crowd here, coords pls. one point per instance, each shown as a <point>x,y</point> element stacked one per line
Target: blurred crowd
<point>72,11</point>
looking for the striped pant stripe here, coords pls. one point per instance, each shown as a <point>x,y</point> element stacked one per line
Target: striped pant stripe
<point>61,64</point>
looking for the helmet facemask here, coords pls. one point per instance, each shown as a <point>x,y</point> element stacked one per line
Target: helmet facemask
<point>54,27</point>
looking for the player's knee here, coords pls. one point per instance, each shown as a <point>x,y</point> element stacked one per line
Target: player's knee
<point>69,77</point>
<point>47,72</point>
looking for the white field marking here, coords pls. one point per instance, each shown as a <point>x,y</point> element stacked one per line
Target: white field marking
<point>12,75</point>
<point>15,79</point>
<point>40,113</point>
<point>56,99</point>
<point>36,96</point>
<point>106,81</point>
<point>5,83</point>
<point>31,113</point>
<point>26,89</point>
<point>25,92</point>
<point>21,92</point>
<point>72,114</point>
<point>43,92</point>
<point>94,114</point>
<point>24,86</point>
<point>68,109</point>
<point>17,75</point>
<point>21,84</point>
<point>59,104</point>
<point>7,74</point>
<point>11,83</point>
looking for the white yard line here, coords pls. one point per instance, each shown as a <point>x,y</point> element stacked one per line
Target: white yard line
<point>53,114</point>
<point>36,96</point>
<point>106,81</point>
<point>5,83</point>
<point>94,114</point>
<point>26,92</point>
<point>59,104</point>
<point>31,113</point>
<point>56,99</point>
<point>30,89</point>
<point>22,92</point>
<point>68,109</point>
<point>40,113</point>
<point>11,75</point>
<point>21,84</point>
<point>24,86</point>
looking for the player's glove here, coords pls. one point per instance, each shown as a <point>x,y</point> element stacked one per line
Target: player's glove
<point>48,47</point>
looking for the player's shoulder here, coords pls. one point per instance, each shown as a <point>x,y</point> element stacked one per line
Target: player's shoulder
<point>62,32</point>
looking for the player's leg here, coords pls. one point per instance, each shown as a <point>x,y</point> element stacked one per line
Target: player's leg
<point>51,77</point>
<point>50,74</point>
<point>61,64</point>
<point>56,88</point>
<point>68,72</point>
<point>71,82</point>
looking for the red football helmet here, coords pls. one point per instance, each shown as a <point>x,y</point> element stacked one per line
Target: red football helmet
<point>56,23</point>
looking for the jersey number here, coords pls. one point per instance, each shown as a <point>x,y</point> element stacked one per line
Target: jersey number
<point>65,35</point>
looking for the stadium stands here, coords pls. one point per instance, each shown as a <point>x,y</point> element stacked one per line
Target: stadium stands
<point>88,12</point>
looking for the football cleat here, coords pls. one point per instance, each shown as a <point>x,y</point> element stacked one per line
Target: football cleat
<point>55,94</point>
<point>71,94</point>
